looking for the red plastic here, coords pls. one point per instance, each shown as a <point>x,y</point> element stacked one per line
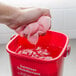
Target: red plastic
<point>28,66</point>
<point>67,51</point>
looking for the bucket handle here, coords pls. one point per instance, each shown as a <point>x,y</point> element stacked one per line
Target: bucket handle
<point>12,37</point>
<point>67,51</point>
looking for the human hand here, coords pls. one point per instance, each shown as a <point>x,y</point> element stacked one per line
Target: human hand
<point>29,22</point>
<point>25,16</point>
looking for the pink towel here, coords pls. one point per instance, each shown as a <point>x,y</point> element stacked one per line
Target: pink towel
<point>33,30</point>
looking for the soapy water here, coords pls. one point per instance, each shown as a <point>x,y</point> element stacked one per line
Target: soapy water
<point>36,53</point>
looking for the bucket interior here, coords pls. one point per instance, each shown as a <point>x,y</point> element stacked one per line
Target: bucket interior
<point>53,40</point>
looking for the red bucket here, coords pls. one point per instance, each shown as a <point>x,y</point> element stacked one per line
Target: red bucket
<point>28,66</point>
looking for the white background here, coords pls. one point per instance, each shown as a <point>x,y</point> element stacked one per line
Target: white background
<point>63,16</point>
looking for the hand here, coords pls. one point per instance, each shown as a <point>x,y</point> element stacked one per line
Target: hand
<point>26,16</point>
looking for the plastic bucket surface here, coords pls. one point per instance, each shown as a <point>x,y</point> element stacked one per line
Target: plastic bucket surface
<point>28,66</point>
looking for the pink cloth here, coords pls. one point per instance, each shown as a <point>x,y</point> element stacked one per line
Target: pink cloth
<point>33,30</point>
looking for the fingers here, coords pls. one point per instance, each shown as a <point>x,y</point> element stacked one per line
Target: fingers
<point>23,8</point>
<point>46,12</point>
<point>33,14</point>
<point>29,15</point>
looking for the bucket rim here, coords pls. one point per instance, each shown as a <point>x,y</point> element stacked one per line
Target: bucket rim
<point>54,59</point>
